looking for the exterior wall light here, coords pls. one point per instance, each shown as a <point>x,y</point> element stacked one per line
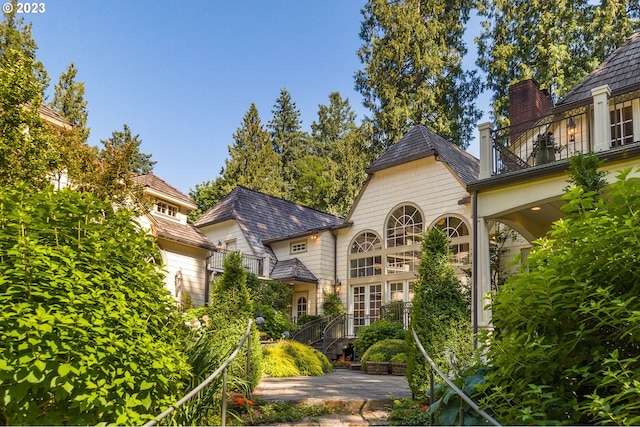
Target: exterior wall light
<point>571,129</point>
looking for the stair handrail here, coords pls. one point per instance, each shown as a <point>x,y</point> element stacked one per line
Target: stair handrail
<point>222,369</point>
<point>311,332</point>
<point>450,383</point>
<point>327,333</point>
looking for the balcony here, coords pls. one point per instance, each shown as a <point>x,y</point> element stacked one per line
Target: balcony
<point>562,134</point>
<point>253,264</point>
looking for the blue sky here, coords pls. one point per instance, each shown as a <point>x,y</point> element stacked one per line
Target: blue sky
<point>182,73</point>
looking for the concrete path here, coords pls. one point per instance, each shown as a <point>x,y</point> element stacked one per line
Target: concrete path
<point>366,397</point>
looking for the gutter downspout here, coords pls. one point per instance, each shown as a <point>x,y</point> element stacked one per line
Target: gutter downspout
<point>474,291</point>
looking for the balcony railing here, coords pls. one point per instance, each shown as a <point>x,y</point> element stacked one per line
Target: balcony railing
<point>559,136</point>
<point>251,263</point>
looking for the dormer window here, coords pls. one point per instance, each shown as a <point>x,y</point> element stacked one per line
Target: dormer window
<point>167,209</point>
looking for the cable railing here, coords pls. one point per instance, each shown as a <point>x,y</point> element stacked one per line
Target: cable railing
<point>222,369</point>
<point>463,397</point>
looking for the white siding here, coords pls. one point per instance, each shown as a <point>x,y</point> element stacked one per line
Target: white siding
<point>226,231</point>
<point>191,262</point>
<point>425,183</point>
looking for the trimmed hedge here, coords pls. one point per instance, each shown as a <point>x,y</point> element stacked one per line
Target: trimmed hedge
<point>388,348</point>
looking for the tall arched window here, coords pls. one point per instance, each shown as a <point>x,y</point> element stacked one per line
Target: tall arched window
<point>301,306</point>
<point>404,227</point>
<point>458,232</point>
<point>368,264</point>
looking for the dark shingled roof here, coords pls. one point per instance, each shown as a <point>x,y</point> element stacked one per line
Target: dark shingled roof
<point>46,111</point>
<point>619,71</point>
<point>292,269</point>
<point>151,181</point>
<point>262,217</point>
<point>183,233</point>
<point>421,142</point>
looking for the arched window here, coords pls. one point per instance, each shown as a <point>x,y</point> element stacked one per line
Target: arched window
<point>370,264</point>
<point>458,232</point>
<point>404,227</point>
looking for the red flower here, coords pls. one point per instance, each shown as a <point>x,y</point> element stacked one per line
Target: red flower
<point>424,408</point>
<point>242,401</point>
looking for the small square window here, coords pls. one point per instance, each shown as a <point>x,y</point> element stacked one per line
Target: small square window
<point>167,209</point>
<point>298,247</point>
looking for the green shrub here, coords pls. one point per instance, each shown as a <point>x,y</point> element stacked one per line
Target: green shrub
<point>88,332</point>
<point>388,348</point>
<point>332,304</point>
<point>399,358</point>
<point>439,315</point>
<point>377,331</point>
<point>306,318</point>
<point>275,322</point>
<point>376,357</point>
<point>568,329</point>
<point>282,357</point>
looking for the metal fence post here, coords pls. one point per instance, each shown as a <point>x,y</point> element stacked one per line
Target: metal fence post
<point>431,394</point>
<point>249,364</point>
<point>223,415</point>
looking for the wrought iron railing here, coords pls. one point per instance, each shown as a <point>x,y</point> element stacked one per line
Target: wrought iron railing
<point>463,397</point>
<point>251,263</point>
<point>334,332</point>
<point>397,311</point>
<point>221,370</point>
<point>311,333</point>
<point>559,136</point>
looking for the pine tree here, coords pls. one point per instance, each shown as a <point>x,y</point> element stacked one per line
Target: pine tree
<point>289,141</point>
<point>25,141</point>
<point>206,195</point>
<point>252,163</point>
<point>412,53</point>
<point>138,162</point>
<point>555,42</point>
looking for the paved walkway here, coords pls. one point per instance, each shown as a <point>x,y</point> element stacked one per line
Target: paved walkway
<point>365,396</point>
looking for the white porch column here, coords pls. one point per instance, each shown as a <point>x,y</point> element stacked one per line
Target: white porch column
<point>601,118</point>
<point>483,271</point>
<point>486,151</point>
<point>266,266</point>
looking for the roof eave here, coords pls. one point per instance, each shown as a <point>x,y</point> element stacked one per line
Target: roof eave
<point>401,161</point>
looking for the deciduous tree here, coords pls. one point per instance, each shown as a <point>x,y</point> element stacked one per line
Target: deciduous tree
<point>138,162</point>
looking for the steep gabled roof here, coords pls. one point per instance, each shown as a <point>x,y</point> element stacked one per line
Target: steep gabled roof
<point>619,71</point>
<point>422,142</point>
<point>292,269</point>
<point>151,181</point>
<point>262,217</point>
<point>182,233</point>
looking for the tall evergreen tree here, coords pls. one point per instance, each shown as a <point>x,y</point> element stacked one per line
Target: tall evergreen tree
<point>290,142</point>
<point>555,42</point>
<point>138,162</point>
<point>343,147</point>
<point>253,163</point>
<point>25,141</point>
<point>412,53</point>
<point>206,195</point>
<point>69,102</point>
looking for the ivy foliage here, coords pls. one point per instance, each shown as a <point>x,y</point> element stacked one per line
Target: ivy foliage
<point>87,330</point>
<point>566,346</point>
<point>440,315</point>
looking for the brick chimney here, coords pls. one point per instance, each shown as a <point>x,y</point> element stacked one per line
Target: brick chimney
<point>527,103</point>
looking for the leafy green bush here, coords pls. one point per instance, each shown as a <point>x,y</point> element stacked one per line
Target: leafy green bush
<point>332,304</point>
<point>275,322</point>
<point>88,332</point>
<point>377,331</point>
<point>306,318</point>
<point>388,348</point>
<point>291,358</point>
<point>439,315</point>
<point>376,357</point>
<point>568,329</point>
<point>399,358</point>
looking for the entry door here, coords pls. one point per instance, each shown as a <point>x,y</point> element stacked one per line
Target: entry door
<point>300,304</point>
<point>366,300</point>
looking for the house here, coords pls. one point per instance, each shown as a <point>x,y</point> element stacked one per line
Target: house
<point>183,248</point>
<point>523,168</point>
<point>279,240</point>
<point>417,184</point>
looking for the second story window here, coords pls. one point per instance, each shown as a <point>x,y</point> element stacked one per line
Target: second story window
<point>167,209</point>
<point>298,247</point>
<point>622,124</point>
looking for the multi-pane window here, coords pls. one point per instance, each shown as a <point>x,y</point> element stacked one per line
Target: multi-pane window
<point>363,267</point>
<point>298,247</point>
<point>301,306</point>
<point>369,265</point>
<point>404,227</point>
<point>622,124</point>
<point>166,208</point>
<point>403,262</point>
<point>396,291</point>
<point>458,233</point>
<point>367,301</point>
